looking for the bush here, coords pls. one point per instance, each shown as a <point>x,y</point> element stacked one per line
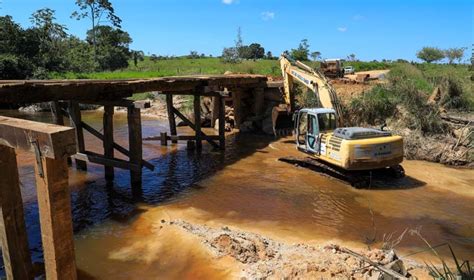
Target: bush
<point>14,67</point>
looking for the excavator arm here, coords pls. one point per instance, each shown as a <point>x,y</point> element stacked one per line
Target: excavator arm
<point>314,80</point>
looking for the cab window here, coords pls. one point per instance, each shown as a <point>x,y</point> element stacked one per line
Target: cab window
<point>302,128</point>
<point>326,121</point>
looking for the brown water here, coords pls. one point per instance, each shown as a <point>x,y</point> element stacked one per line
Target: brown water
<point>246,187</point>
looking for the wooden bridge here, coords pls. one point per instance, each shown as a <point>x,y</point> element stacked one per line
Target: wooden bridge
<point>55,145</point>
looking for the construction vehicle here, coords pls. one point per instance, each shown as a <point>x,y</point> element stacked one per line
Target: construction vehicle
<point>333,68</point>
<point>319,131</point>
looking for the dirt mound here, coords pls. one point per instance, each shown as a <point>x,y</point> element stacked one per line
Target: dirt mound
<point>264,258</point>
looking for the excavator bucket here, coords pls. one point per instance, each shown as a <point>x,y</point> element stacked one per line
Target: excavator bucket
<point>282,120</point>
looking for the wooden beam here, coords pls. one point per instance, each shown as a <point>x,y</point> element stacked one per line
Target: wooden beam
<point>197,121</point>
<point>75,117</point>
<point>221,123</point>
<point>100,159</point>
<point>135,147</point>
<point>54,141</point>
<point>108,139</point>
<point>13,236</point>
<point>119,148</point>
<point>54,203</point>
<point>171,116</point>
<point>181,137</point>
<point>190,124</point>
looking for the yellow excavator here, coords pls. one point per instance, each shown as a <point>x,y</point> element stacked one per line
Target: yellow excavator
<point>320,133</point>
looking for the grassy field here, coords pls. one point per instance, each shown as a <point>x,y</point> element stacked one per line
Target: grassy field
<point>187,66</point>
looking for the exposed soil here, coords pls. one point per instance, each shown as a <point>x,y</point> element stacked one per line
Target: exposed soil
<point>263,258</point>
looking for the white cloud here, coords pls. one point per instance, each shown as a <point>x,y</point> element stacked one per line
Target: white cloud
<point>358,17</point>
<point>342,29</point>
<point>229,2</point>
<point>268,15</point>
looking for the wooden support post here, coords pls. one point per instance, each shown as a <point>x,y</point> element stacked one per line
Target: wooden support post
<point>75,117</point>
<point>259,100</point>
<point>57,114</point>
<point>54,203</point>
<point>108,140</point>
<point>197,120</point>
<point>135,148</point>
<point>14,241</point>
<point>221,122</point>
<point>215,110</point>
<point>164,139</point>
<point>171,116</point>
<point>237,104</point>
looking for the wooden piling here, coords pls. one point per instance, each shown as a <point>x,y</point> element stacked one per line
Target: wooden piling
<point>54,203</point>
<point>237,104</point>
<point>108,140</point>
<point>259,100</point>
<point>75,117</point>
<point>221,110</point>
<point>215,110</point>
<point>135,147</point>
<point>14,241</point>
<point>171,116</point>
<point>164,139</point>
<point>57,114</point>
<point>197,120</point>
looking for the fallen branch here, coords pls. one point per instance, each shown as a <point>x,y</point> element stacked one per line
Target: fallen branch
<point>374,264</point>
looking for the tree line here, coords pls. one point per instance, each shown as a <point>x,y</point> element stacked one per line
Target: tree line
<point>46,46</point>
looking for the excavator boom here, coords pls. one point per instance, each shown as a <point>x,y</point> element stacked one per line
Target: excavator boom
<point>311,78</point>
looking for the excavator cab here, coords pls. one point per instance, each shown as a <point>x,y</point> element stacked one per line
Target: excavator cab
<point>309,124</point>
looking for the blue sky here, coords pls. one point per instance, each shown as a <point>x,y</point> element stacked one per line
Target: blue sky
<point>370,29</point>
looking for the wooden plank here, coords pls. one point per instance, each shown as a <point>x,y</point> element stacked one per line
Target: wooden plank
<point>54,203</point>
<point>171,116</point>
<point>119,148</point>
<point>108,139</point>
<point>54,141</point>
<point>13,236</point>
<point>75,117</point>
<point>190,124</point>
<point>135,147</point>
<point>237,104</point>
<point>197,121</point>
<point>221,123</point>
<point>100,159</point>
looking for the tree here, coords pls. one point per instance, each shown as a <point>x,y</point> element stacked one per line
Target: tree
<point>230,55</point>
<point>315,55</point>
<point>269,55</point>
<point>112,47</point>
<point>154,58</point>
<point>193,54</point>
<point>302,52</point>
<point>137,56</point>
<point>95,10</point>
<point>50,35</point>
<point>239,45</point>
<point>454,54</point>
<point>351,57</point>
<point>430,54</point>
<point>256,51</point>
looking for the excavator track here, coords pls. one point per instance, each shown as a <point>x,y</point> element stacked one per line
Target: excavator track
<point>357,179</point>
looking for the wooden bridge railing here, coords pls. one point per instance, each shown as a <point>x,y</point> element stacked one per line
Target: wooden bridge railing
<point>51,145</point>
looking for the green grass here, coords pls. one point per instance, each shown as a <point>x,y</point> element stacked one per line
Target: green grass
<point>206,66</point>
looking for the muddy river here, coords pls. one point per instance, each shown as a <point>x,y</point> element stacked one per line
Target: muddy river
<point>119,237</point>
